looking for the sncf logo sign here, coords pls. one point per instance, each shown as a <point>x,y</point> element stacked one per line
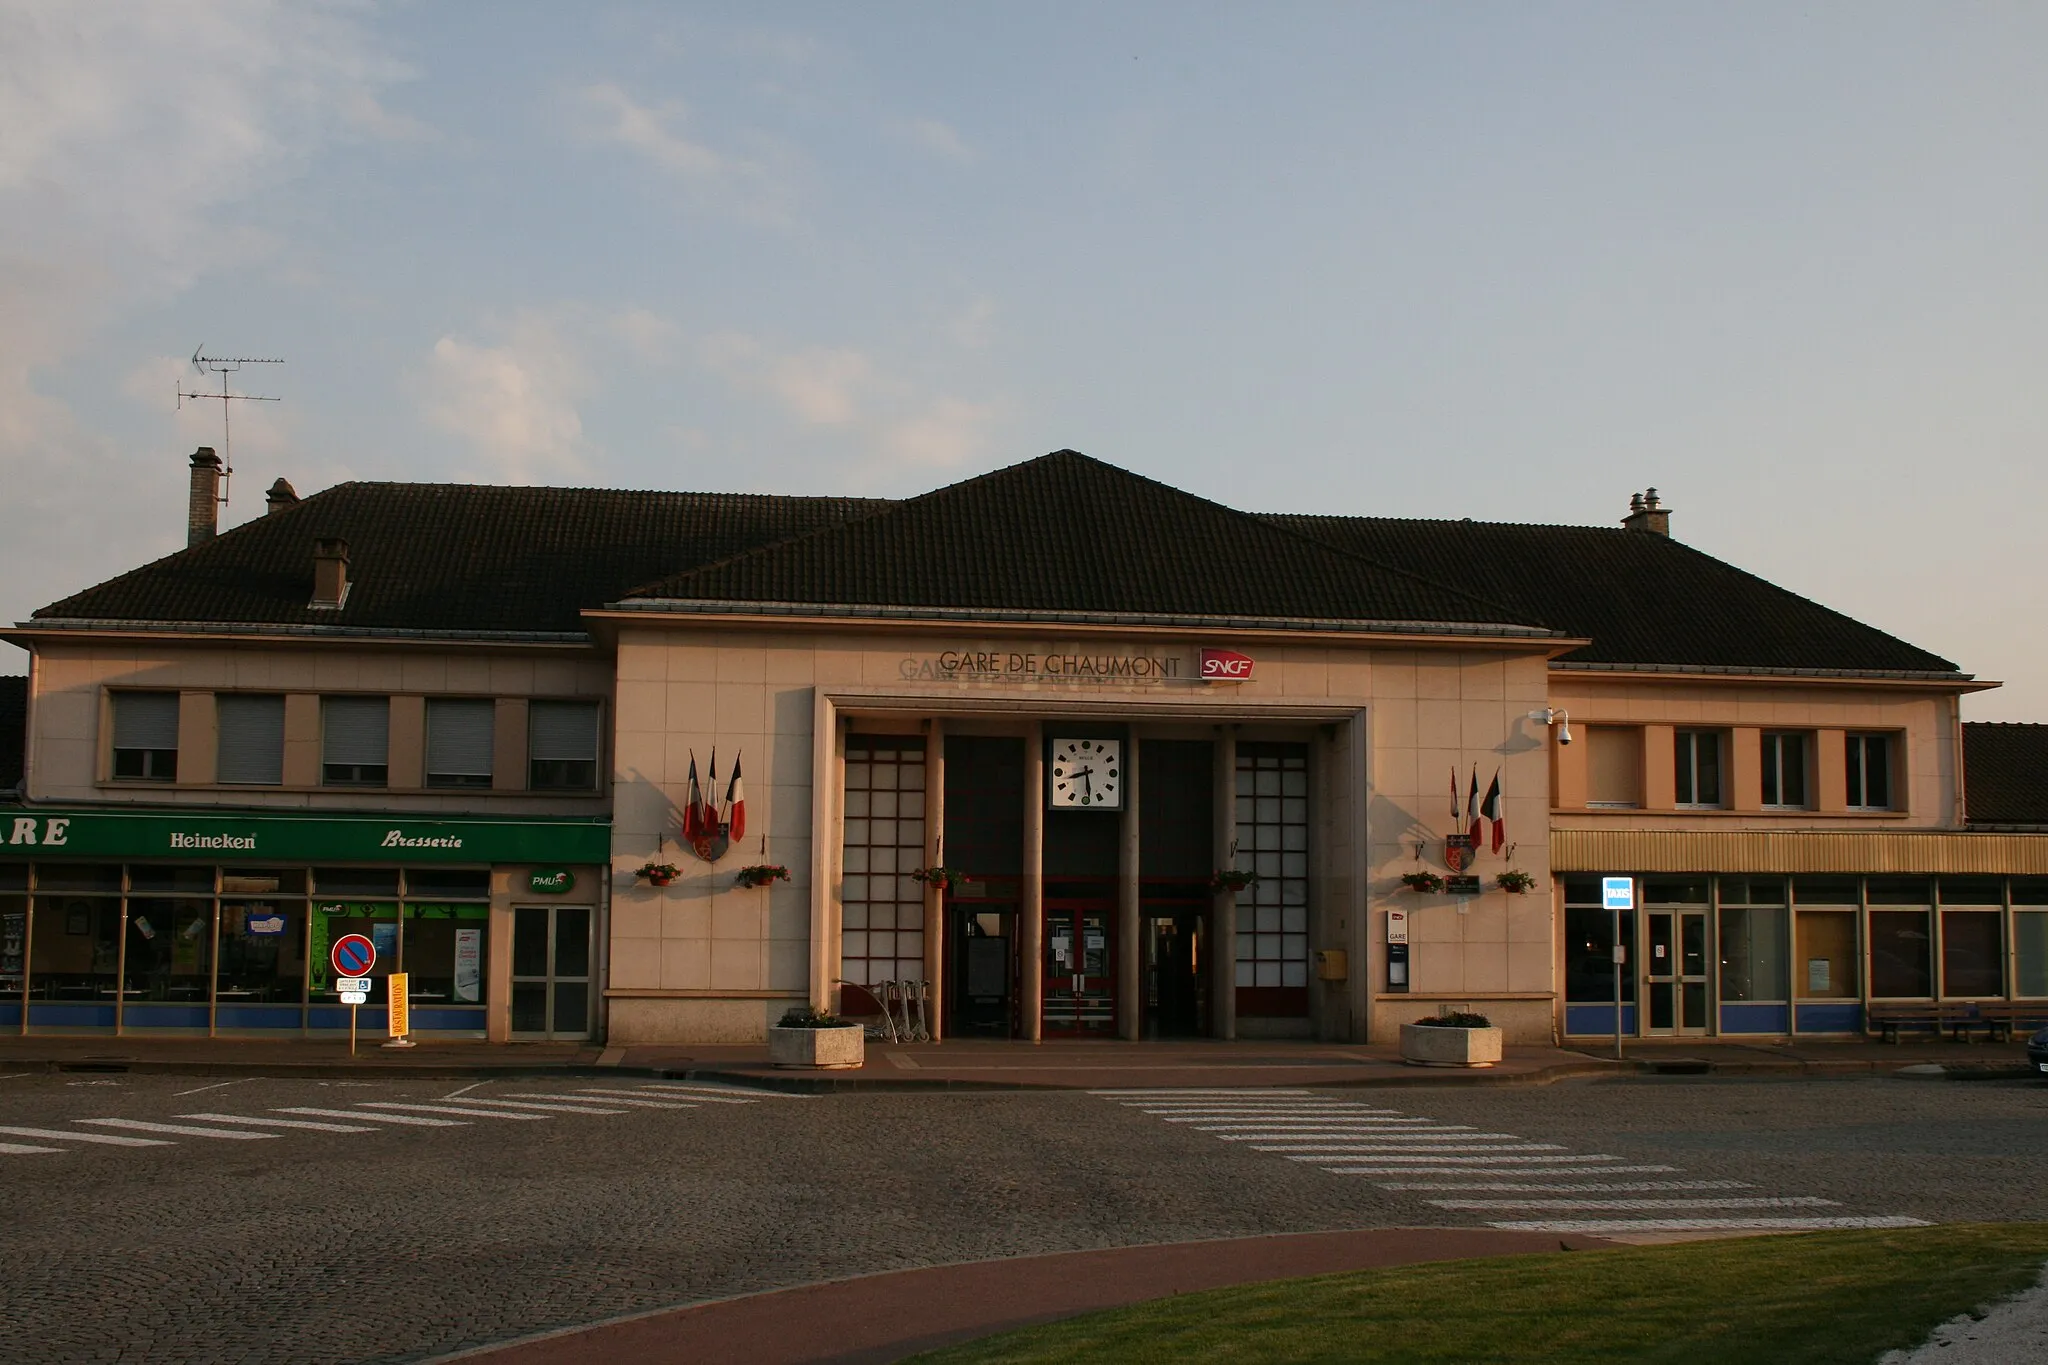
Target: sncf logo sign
<point>1226,665</point>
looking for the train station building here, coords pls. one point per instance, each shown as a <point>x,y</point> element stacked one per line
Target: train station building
<point>1085,754</point>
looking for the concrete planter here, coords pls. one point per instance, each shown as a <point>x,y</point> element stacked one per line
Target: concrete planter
<point>1429,1045</point>
<point>829,1048</point>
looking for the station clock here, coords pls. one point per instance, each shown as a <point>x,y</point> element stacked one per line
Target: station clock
<point>1087,774</point>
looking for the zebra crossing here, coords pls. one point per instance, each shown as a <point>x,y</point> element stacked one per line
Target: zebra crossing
<point>459,1110</point>
<point>1508,1180</point>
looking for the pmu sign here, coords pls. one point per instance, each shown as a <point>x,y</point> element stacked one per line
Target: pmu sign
<point>1225,666</point>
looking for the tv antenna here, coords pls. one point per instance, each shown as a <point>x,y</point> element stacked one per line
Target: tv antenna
<point>225,366</point>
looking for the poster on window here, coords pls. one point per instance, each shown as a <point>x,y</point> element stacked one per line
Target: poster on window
<point>469,965</point>
<point>13,946</point>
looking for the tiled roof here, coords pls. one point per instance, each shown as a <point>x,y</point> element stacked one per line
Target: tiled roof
<point>451,556</point>
<point>1059,534</point>
<point>1068,534</point>
<point>1641,598</point>
<point>13,732</point>
<point>2005,773</point>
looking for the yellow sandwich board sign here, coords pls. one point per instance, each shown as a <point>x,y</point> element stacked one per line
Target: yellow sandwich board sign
<point>398,988</point>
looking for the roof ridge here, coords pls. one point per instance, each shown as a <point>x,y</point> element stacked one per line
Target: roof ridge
<point>1069,456</point>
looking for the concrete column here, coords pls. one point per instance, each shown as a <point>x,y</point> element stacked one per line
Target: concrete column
<point>1365,975</point>
<point>1223,916</point>
<point>1130,938</point>
<point>824,841</point>
<point>934,855</point>
<point>1031,900</point>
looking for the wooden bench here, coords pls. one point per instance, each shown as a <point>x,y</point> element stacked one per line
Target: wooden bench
<point>1997,1018</point>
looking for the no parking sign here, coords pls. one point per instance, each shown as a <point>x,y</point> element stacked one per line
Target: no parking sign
<point>353,955</point>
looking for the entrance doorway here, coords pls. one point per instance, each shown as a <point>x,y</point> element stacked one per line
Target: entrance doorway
<point>1080,968</point>
<point>1176,995</point>
<point>1675,971</point>
<point>982,972</point>
<point>551,986</point>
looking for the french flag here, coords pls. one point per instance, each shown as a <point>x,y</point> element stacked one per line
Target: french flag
<point>695,817</point>
<point>1490,809</point>
<point>735,805</point>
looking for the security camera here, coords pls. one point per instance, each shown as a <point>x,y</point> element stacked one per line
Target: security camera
<point>1551,715</point>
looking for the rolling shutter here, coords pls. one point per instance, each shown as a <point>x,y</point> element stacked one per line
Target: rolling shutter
<point>251,738</point>
<point>146,720</point>
<point>562,730</point>
<point>356,730</point>
<point>459,735</point>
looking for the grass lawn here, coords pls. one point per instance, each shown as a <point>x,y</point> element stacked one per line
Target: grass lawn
<point>1825,1296</point>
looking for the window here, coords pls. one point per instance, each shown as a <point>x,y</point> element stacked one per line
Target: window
<point>1901,940</point>
<point>1752,939</point>
<point>356,741</point>
<point>1699,768</point>
<point>1784,770</point>
<point>1614,766</point>
<point>561,746</point>
<point>146,736</point>
<point>1826,965</point>
<point>1870,772</point>
<point>882,915</point>
<point>1589,972</point>
<point>251,739</point>
<point>1272,841</point>
<point>459,736</point>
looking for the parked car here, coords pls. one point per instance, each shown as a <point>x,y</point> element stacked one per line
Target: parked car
<point>2037,1051</point>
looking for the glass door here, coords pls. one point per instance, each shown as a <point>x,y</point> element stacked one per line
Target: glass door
<point>551,985</point>
<point>1080,969</point>
<point>1675,971</point>
<point>981,971</point>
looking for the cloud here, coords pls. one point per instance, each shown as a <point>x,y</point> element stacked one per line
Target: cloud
<point>133,132</point>
<point>513,404</point>
<point>940,139</point>
<point>752,186</point>
<point>893,423</point>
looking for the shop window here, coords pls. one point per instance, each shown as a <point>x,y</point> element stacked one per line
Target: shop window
<point>444,952</point>
<point>262,938</point>
<point>1697,766</point>
<point>375,920</point>
<point>1869,767</point>
<point>376,882</point>
<point>146,736</point>
<point>1825,960</point>
<point>1589,951</point>
<point>1901,954</point>
<point>355,741</point>
<point>75,951</point>
<point>170,950</point>
<point>561,746</point>
<point>1674,890</point>
<point>1753,922</point>
<point>449,883</point>
<point>1784,770</point>
<point>251,748</point>
<point>2030,954</point>
<point>882,926</point>
<point>1272,842</point>
<point>1972,954</point>
<point>459,741</point>
<point>1614,766</point>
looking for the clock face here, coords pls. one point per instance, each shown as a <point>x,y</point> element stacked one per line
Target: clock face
<point>1087,774</point>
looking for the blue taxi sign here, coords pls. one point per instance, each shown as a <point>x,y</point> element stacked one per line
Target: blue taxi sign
<point>1617,893</point>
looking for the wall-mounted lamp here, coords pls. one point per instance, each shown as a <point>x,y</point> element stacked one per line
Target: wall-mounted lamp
<point>1551,715</point>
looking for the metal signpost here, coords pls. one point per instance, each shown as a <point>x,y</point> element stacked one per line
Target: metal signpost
<point>1616,895</point>
<point>352,957</point>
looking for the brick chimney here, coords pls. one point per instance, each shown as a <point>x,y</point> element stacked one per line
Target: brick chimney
<point>280,496</point>
<point>330,575</point>
<point>202,511</point>
<point>1647,515</point>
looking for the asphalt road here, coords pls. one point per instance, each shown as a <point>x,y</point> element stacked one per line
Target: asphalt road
<point>401,1240</point>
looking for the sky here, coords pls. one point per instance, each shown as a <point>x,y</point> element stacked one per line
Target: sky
<point>1504,261</point>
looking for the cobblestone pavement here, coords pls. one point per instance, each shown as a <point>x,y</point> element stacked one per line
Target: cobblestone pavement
<point>409,1239</point>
